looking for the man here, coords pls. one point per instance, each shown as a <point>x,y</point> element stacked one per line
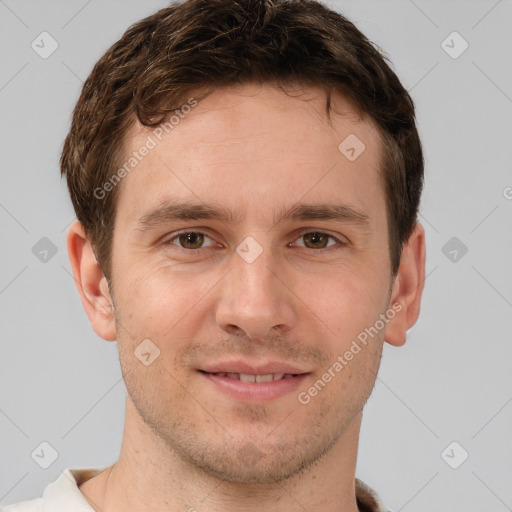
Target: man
<point>246,177</point>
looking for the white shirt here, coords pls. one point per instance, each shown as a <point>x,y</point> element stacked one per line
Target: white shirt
<point>63,495</point>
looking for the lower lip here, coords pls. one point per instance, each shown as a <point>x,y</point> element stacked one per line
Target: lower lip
<point>255,391</point>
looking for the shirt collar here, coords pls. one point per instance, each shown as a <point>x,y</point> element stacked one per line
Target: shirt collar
<point>64,492</point>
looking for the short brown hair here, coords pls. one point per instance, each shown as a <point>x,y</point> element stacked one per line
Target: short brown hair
<point>208,44</point>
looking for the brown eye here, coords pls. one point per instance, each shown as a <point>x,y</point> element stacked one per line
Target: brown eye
<point>316,240</point>
<point>189,240</point>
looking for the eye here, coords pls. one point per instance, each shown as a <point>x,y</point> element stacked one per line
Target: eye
<point>190,240</point>
<point>193,240</point>
<point>318,240</point>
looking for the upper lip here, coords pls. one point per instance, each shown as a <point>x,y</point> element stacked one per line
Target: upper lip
<point>251,369</point>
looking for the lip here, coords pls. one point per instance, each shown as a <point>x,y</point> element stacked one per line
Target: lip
<point>252,369</point>
<point>253,392</point>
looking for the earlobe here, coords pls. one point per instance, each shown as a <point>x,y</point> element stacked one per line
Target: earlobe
<point>407,288</point>
<point>91,283</point>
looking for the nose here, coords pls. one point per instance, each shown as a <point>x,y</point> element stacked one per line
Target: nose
<point>256,301</point>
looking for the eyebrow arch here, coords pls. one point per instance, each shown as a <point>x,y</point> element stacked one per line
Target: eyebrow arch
<point>185,210</point>
<point>337,212</point>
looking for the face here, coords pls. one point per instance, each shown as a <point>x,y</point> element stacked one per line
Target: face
<point>252,253</point>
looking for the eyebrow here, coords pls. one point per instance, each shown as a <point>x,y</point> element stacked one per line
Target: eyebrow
<point>185,210</point>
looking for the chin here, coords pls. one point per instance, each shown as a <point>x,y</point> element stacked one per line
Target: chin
<point>255,463</point>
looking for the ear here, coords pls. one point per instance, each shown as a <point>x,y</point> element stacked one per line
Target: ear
<point>407,288</point>
<point>91,283</point>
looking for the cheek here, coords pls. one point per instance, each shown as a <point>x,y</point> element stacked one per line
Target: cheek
<point>346,303</point>
<point>351,312</point>
<point>161,302</point>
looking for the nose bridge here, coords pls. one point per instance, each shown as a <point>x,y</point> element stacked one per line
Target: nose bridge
<point>253,299</point>
<point>256,276</point>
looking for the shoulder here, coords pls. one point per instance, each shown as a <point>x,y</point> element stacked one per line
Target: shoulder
<point>367,498</point>
<point>62,495</point>
<point>35,505</point>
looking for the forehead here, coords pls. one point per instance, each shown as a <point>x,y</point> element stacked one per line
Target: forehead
<point>257,141</point>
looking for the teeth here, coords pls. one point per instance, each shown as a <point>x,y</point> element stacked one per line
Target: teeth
<point>245,377</point>
<point>265,378</point>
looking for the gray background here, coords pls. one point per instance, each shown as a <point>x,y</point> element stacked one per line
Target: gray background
<point>452,381</point>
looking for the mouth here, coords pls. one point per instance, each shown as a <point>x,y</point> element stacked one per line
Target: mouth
<point>247,377</point>
<point>252,385</point>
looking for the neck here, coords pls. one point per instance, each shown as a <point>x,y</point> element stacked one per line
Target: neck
<point>150,477</point>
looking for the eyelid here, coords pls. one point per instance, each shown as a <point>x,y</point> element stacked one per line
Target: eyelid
<point>340,241</point>
<point>298,234</point>
<point>169,240</point>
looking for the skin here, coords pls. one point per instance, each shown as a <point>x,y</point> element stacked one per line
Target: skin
<point>186,444</point>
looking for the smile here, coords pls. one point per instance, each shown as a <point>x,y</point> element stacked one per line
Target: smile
<point>246,377</point>
<point>254,388</point>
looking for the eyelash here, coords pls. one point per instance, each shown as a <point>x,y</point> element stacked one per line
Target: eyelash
<point>341,244</point>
